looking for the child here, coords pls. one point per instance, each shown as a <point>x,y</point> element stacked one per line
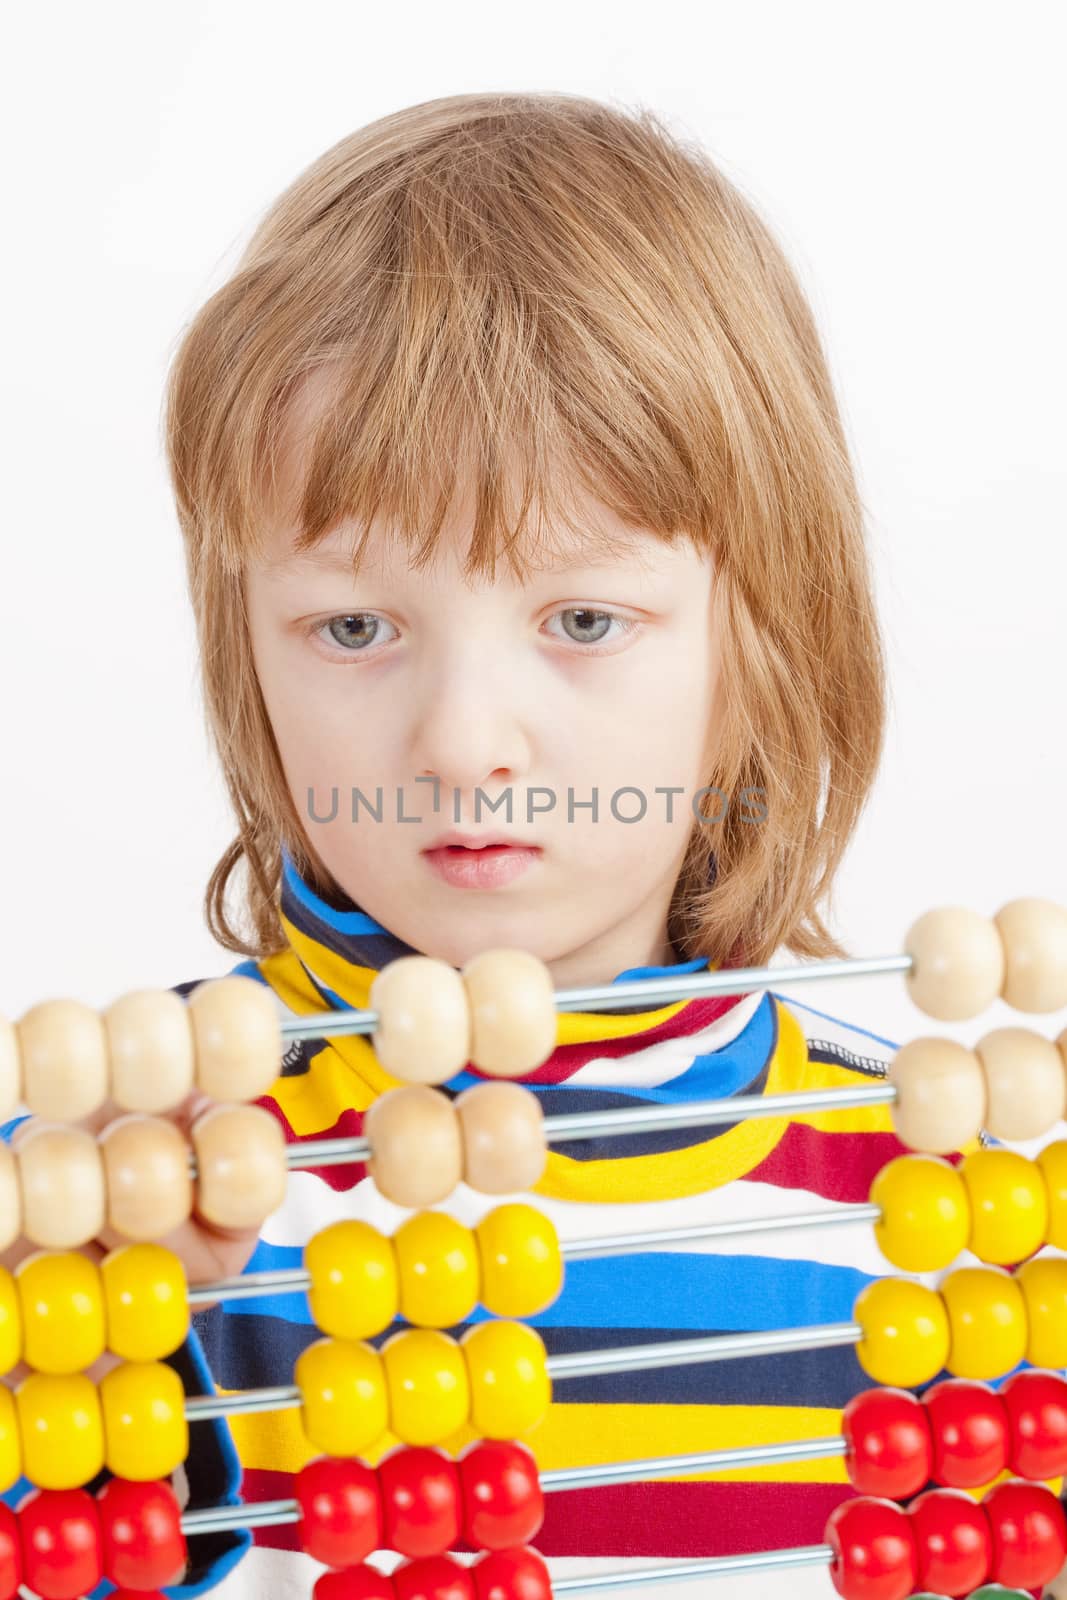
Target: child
<point>534,325</point>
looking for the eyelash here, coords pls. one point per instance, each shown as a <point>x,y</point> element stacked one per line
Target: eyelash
<point>628,625</point>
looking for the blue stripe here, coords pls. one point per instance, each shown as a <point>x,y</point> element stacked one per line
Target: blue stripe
<point>341,921</point>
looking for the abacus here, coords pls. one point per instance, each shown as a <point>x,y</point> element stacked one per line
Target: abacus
<point>914,1524</point>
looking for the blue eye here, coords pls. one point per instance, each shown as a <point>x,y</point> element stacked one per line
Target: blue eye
<point>353,632</point>
<point>589,626</point>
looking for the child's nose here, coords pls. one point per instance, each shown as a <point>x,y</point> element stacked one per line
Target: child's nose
<point>470,731</point>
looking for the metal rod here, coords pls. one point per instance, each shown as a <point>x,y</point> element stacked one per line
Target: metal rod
<point>655,991</point>
<point>289,1280</point>
<point>276,1513</point>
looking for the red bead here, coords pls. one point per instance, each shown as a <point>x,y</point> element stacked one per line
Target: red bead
<point>143,1543</point>
<point>888,1448</point>
<point>953,1541</point>
<point>433,1578</point>
<point>10,1554</point>
<point>502,1500</point>
<point>1029,1533</point>
<point>340,1511</point>
<point>1036,1403</point>
<point>420,1501</point>
<point>874,1550</point>
<point>970,1431</point>
<point>516,1574</point>
<point>61,1543</point>
<point>355,1583</point>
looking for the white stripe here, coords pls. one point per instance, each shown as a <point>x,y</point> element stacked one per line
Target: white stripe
<point>659,1063</point>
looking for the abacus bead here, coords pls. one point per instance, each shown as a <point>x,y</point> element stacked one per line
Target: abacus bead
<point>424,1027</point>
<point>888,1449</point>
<point>941,1095</point>
<point>429,1390</point>
<point>151,1047</point>
<point>354,1291</point>
<point>1026,1087</point>
<point>62,1429</point>
<point>237,1038</point>
<point>874,1555</point>
<point>1043,1282</point>
<point>521,1265</point>
<point>996,1591</point>
<point>10,1554</point>
<point>970,1432</point>
<point>10,1322</point>
<point>10,1072</point>
<point>926,1216</point>
<point>1034,935</point>
<point>509,1383</point>
<point>438,1267</point>
<point>958,966</point>
<point>987,1319</point>
<point>63,1048</point>
<point>1029,1532</point>
<point>146,1174</point>
<point>145,1431</point>
<point>433,1578</point>
<point>146,1298</point>
<point>10,1442</point>
<point>340,1511</point>
<point>344,1405</point>
<point>241,1166</point>
<point>1036,1404</point>
<point>503,1132</point>
<point>1009,1205</point>
<point>10,1197</point>
<point>62,1304</point>
<point>416,1155</point>
<point>358,1583</point>
<point>953,1541</point>
<point>420,1501</point>
<point>143,1543</point>
<point>515,1574</point>
<point>1052,1161</point>
<point>62,1544</point>
<point>513,1012</point>
<point>905,1332</point>
<point>503,1504</point>
<point>61,1179</point>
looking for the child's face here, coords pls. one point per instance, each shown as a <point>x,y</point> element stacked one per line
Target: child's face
<point>372,681</point>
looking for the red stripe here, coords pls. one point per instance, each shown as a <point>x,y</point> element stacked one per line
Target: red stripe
<point>349,1125</point>
<point>566,1059</point>
<point>837,1166</point>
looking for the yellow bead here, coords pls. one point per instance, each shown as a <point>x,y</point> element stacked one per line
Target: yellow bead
<point>342,1388</point>
<point>1009,1205</point>
<point>62,1305</point>
<point>429,1394</point>
<point>438,1262</point>
<point>147,1301</point>
<point>10,1444</point>
<point>62,1429</point>
<point>926,1216</point>
<point>987,1319</point>
<point>10,1322</point>
<point>354,1291</point>
<point>1053,1164</point>
<point>905,1332</point>
<point>522,1270</point>
<point>510,1386</point>
<point>1043,1282</point>
<point>145,1430</point>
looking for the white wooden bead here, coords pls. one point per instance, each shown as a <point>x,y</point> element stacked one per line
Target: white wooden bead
<point>416,1151</point>
<point>10,1069</point>
<point>504,1148</point>
<point>237,1037</point>
<point>10,1197</point>
<point>941,1095</point>
<point>151,1045</point>
<point>65,1070</point>
<point>959,963</point>
<point>513,1012</point>
<point>146,1175</point>
<point>61,1181</point>
<point>424,1028</point>
<point>241,1166</point>
<point>1034,935</point>
<point>1026,1090</point>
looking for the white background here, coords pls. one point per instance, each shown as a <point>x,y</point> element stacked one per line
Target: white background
<point>911,158</point>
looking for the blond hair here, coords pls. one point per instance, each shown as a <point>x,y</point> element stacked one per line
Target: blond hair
<point>547,283</point>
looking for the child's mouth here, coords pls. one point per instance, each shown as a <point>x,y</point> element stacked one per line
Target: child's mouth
<point>486,867</point>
